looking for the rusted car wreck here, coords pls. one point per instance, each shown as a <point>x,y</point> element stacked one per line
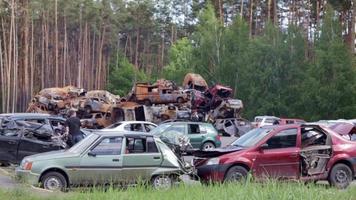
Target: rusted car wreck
<point>156,102</point>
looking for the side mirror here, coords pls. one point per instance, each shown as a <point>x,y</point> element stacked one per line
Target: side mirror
<point>264,146</point>
<point>92,154</point>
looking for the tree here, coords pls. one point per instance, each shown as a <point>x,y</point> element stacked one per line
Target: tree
<point>331,83</point>
<point>180,55</point>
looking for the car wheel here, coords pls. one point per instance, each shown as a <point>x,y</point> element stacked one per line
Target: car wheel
<point>340,176</point>
<point>236,174</point>
<point>54,181</point>
<point>160,182</point>
<point>208,146</point>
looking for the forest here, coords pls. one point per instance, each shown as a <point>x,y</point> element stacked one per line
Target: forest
<point>288,58</point>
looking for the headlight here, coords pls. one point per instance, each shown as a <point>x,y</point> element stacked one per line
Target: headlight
<point>27,165</point>
<point>213,161</point>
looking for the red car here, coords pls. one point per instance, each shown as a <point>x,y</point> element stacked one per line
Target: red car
<point>296,151</point>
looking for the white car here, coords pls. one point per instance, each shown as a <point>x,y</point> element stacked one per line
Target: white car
<point>265,120</point>
<point>136,126</point>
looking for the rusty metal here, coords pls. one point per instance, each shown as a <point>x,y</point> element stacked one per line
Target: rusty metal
<point>195,81</point>
<point>157,102</point>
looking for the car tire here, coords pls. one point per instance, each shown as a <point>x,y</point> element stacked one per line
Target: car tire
<point>236,174</point>
<point>162,182</point>
<point>54,181</point>
<point>208,146</point>
<point>340,176</point>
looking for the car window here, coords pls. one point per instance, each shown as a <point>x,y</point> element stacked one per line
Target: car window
<point>108,146</point>
<point>134,127</point>
<point>194,129</point>
<point>252,137</point>
<point>176,127</point>
<point>151,145</point>
<point>140,145</point>
<point>283,139</point>
<point>33,135</point>
<point>149,127</point>
<point>134,145</point>
<point>39,121</point>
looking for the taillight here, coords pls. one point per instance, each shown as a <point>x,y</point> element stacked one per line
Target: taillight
<point>217,137</point>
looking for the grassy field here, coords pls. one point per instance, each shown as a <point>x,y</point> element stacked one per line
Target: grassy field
<point>251,191</point>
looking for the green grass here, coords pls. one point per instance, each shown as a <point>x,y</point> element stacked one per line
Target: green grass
<point>251,191</point>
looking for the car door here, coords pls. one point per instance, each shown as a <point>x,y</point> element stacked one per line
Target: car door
<point>141,158</point>
<point>101,163</point>
<point>196,134</point>
<point>9,141</point>
<point>33,143</point>
<point>280,157</point>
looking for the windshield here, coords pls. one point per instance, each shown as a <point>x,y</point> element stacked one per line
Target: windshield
<point>83,144</point>
<point>159,129</point>
<point>112,126</point>
<point>252,137</point>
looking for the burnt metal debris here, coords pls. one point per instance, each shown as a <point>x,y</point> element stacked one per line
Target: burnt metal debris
<point>157,102</point>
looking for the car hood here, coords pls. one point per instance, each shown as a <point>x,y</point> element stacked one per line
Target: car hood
<point>50,155</point>
<point>216,152</point>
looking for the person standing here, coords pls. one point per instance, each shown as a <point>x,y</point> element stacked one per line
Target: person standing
<point>73,128</point>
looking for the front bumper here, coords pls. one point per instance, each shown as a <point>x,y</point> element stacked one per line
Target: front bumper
<point>214,173</point>
<point>27,176</point>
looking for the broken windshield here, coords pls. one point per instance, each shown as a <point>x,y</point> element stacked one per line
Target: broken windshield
<point>252,137</point>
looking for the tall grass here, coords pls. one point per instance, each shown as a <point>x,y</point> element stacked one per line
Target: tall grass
<point>252,191</point>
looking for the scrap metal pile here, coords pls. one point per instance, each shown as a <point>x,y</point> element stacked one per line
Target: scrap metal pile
<point>157,102</point>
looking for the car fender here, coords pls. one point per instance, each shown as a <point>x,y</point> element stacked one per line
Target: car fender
<point>343,158</point>
<point>238,161</point>
<point>55,168</point>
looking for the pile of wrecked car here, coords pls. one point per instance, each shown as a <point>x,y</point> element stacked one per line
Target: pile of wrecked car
<point>157,102</point>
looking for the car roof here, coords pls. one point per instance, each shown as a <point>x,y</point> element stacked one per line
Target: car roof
<point>29,115</point>
<point>122,133</point>
<point>186,122</point>
<point>129,122</point>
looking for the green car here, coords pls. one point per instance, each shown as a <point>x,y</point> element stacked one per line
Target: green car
<point>202,136</point>
<point>104,158</point>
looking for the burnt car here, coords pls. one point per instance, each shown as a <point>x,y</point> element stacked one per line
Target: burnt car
<point>211,98</point>
<point>94,104</point>
<point>96,121</point>
<point>233,126</point>
<point>304,152</point>
<point>148,94</point>
<point>195,81</point>
<point>27,134</point>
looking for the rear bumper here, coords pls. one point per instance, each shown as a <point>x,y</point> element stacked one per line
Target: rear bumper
<point>27,176</point>
<point>214,173</point>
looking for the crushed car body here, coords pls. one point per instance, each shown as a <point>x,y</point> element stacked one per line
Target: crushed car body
<point>24,134</point>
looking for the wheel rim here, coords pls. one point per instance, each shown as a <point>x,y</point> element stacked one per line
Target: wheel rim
<point>162,182</point>
<point>53,183</point>
<point>341,176</point>
<point>236,176</point>
<point>208,146</point>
